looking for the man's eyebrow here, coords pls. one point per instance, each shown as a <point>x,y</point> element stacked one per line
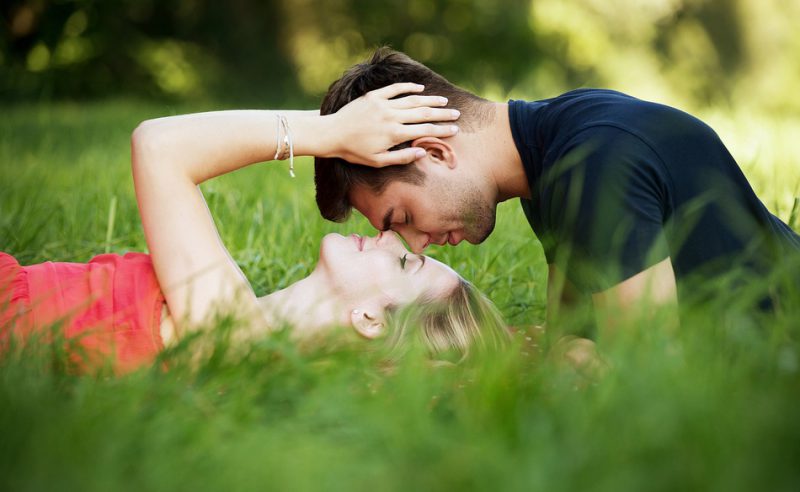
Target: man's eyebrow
<point>387,219</point>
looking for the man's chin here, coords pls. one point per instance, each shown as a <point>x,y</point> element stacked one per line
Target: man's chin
<point>477,237</point>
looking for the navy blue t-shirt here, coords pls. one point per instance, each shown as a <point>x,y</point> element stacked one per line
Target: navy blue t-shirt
<point>619,184</point>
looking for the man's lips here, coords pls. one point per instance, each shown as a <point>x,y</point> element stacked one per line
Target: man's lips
<point>447,238</point>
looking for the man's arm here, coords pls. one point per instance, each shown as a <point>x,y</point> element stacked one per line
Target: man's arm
<point>561,294</point>
<point>639,297</point>
<point>575,352</point>
<point>647,293</point>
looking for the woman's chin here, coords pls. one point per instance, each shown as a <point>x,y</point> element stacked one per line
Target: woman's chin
<point>330,239</point>
<point>331,246</point>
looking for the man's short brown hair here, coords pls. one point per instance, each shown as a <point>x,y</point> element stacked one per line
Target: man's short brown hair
<point>334,177</point>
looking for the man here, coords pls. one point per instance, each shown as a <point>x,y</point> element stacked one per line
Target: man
<point>632,201</point>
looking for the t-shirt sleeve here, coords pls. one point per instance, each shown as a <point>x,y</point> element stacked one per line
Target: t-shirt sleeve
<point>605,202</point>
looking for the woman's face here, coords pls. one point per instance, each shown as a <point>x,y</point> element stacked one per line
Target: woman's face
<point>380,268</point>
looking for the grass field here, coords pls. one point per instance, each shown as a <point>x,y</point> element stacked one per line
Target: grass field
<point>711,407</point>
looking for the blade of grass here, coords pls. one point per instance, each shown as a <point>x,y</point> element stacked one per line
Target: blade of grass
<point>112,215</point>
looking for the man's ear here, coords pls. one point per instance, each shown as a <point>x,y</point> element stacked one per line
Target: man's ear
<point>369,323</point>
<point>439,151</point>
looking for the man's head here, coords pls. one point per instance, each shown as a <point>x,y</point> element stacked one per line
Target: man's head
<point>439,198</point>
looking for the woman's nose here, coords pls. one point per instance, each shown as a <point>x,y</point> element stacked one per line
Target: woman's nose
<point>385,238</point>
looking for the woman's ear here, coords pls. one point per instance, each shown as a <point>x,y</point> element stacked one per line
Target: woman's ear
<point>438,151</point>
<point>368,323</point>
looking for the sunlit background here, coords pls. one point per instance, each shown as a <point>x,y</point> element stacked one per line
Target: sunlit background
<point>712,406</point>
<point>734,63</point>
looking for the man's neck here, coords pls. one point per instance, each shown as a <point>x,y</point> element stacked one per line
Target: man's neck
<point>495,151</point>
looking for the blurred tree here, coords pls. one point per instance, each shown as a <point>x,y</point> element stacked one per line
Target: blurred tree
<point>174,48</point>
<point>485,45</point>
<point>698,53</point>
<point>248,49</point>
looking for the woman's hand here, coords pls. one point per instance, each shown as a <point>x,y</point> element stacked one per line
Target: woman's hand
<point>368,126</point>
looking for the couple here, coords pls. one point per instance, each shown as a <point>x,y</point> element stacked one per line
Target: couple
<point>637,205</point>
<point>630,200</point>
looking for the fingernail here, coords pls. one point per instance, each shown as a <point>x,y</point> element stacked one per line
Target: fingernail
<point>456,113</point>
<point>454,129</point>
<point>420,153</point>
<point>443,100</point>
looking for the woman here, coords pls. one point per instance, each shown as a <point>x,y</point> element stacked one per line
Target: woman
<point>130,307</point>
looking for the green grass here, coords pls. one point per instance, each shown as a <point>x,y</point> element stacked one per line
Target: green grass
<point>712,407</point>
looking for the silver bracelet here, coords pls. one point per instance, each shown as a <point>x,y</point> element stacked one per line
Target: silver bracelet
<point>277,137</point>
<point>285,144</point>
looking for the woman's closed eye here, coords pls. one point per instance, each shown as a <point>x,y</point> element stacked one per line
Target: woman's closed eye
<point>410,262</point>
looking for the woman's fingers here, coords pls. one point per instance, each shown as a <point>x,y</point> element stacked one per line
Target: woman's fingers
<point>410,102</point>
<point>420,115</point>
<point>413,132</point>
<point>395,157</point>
<point>395,90</point>
<point>376,122</point>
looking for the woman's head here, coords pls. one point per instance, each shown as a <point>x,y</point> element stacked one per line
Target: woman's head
<point>399,296</point>
<point>366,272</point>
<point>463,322</point>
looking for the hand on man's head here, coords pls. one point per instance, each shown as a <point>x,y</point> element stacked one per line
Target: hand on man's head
<point>368,127</point>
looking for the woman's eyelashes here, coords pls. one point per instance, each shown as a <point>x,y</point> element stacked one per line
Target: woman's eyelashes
<point>414,260</point>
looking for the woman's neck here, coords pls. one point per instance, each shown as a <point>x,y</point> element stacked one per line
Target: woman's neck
<point>307,306</point>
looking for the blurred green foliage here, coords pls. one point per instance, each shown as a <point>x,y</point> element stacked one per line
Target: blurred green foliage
<point>244,49</point>
<point>85,48</point>
<point>696,52</point>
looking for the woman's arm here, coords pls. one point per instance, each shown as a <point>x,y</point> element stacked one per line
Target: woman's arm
<point>171,156</point>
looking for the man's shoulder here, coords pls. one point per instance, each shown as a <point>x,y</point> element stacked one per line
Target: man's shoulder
<point>544,122</point>
<point>582,94</point>
<point>586,104</point>
<point>551,123</point>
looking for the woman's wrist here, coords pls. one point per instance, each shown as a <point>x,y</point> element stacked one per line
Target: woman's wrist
<point>329,136</point>
<point>314,135</point>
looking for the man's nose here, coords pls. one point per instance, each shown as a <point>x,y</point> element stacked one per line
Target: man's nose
<point>417,240</point>
<point>418,247</point>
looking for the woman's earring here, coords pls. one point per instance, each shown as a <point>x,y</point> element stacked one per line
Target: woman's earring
<point>355,312</point>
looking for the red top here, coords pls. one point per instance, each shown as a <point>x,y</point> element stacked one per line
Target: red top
<point>112,304</point>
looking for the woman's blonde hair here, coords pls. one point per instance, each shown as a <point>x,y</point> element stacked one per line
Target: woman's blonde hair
<point>450,328</point>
